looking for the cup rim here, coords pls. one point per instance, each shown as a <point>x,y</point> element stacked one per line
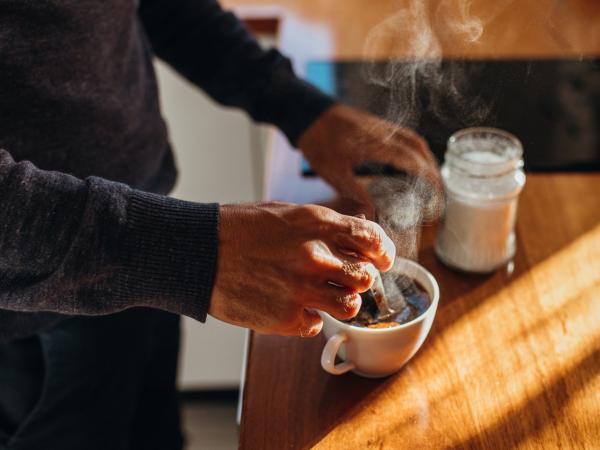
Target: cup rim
<point>435,295</point>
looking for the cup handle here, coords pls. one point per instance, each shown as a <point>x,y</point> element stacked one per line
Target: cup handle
<point>328,356</point>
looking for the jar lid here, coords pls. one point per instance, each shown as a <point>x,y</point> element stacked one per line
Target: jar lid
<point>484,152</point>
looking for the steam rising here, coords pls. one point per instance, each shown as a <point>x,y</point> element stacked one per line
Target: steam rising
<point>420,84</point>
<point>403,204</point>
<point>417,85</point>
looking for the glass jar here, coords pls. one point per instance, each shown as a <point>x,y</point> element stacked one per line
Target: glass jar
<point>483,176</point>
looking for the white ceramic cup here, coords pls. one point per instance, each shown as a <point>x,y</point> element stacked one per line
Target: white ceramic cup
<point>379,352</point>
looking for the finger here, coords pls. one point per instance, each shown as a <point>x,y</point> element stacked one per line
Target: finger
<point>419,168</point>
<point>367,239</point>
<point>298,321</point>
<point>342,303</point>
<point>351,273</point>
<point>412,154</point>
<point>429,169</point>
<point>408,160</point>
<point>311,323</point>
<point>411,140</point>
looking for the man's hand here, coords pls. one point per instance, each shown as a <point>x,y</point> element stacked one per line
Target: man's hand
<point>343,138</point>
<point>278,261</point>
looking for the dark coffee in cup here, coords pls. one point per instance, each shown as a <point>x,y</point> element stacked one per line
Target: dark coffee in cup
<point>416,301</point>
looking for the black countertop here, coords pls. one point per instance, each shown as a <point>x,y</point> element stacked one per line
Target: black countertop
<point>552,106</point>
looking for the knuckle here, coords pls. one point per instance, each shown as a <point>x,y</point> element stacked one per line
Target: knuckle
<point>375,239</point>
<point>310,329</point>
<point>314,331</point>
<point>422,142</point>
<point>349,269</point>
<point>365,279</point>
<point>329,220</point>
<point>356,227</point>
<point>310,210</point>
<point>359,275</point>
<point>348,306</point>
<point>300,324</point>
<point>317,260</point>
<point>309,254</point>
<point>317,213</point>
<point>318,255</point>
<point>418,140</point>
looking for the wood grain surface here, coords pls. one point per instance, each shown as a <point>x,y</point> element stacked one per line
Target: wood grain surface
<point>512,360</point>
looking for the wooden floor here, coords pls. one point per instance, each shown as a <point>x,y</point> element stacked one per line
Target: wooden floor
<point>210,425</point>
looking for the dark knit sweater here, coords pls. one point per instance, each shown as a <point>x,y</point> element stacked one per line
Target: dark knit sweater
<point>85,145</point>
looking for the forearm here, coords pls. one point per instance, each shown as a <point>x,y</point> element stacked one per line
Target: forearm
<point>92,246</point>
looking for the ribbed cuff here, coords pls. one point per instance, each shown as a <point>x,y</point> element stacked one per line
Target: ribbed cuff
<point>169,251</point>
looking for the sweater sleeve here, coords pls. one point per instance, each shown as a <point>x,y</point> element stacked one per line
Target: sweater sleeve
<point>214,50</point>
<point>93,246</point>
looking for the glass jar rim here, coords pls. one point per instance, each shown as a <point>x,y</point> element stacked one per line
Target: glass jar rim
<point>507,146</point>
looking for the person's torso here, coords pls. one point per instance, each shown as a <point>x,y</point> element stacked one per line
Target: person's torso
<point>78,92</point>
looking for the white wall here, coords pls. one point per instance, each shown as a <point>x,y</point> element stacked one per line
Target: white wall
<point>219,161</point>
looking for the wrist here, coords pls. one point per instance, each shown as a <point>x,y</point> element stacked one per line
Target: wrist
<point>325,132</point>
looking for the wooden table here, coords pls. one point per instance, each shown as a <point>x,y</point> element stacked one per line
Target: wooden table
<point>512,360</point>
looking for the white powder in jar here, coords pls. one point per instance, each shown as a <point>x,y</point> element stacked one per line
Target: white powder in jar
<point>482,177</point>
<point>477,237</point>
<point>483,157</point>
